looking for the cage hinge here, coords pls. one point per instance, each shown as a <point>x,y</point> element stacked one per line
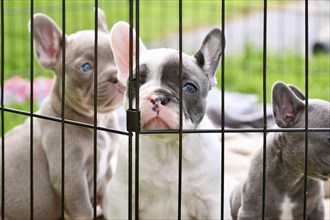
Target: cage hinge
<point>133,120</point>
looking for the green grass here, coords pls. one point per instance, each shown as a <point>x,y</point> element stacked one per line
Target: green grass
<point>244,73</point>
<point>159,18</point>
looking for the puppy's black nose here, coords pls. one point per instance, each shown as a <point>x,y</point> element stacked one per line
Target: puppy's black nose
<point>160,98</point>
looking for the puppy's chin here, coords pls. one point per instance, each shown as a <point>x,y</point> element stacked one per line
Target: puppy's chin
<point>156,124</point>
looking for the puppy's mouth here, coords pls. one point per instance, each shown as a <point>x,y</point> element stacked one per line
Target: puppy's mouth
<point>157,118</point>
<point>158,111</point>
<point>156,123</point>
<point>319,176</point>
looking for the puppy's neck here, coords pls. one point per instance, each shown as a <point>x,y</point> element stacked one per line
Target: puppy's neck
<point>72,111</point>
<point>282,161</point>
<point>165,147</point>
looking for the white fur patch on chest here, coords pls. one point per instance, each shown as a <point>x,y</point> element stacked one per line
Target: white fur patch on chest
<point>105,147</point>
<point>159,181</point>
<point>287,207</point>
<point>103,153</point>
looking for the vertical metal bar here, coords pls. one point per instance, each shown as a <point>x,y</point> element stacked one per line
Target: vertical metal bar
<point>95,104</point>
<point>181,115</point>
<point>31,109</point>
<point>264,88</point>
<point>130,104</point>
<point>137,135</point>
<point>2,113</point>
<point>223,110</point>
<point>306,108</point>
<point>137,49</point>
<point>63,114</point>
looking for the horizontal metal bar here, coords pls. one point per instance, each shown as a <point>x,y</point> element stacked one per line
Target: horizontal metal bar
<point>226,130</point>
<point>239,130</point>
<point>66,121</point>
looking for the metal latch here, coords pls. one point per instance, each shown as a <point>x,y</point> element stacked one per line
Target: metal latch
<point>133,120</point>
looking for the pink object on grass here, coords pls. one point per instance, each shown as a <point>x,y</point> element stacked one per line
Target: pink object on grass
<point>17,89</point>
<point>42,87</point>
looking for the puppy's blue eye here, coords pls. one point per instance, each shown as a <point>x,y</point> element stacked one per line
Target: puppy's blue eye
<point>86,67</point>
<point>189,87</point>
<point>327,140</point>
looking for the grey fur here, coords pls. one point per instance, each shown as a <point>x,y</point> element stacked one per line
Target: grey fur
<point>191,73</point>
<point>285,161</point>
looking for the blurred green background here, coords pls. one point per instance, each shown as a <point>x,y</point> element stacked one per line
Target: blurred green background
<point>158,21</point>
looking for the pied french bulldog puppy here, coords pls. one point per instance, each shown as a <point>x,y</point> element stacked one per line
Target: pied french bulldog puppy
<point>285,162</point>
<point>79,152</point>
<point>159,153</point>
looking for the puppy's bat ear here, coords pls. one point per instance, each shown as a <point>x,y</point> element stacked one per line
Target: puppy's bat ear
<point>297,92</point>
<point>209,54</point>
<point>101,21</point>
<point>47,38</point>
<point>119,41</point>
<point>287,106</point>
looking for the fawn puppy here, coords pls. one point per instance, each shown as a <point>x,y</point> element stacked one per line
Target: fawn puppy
<point>79,106</point>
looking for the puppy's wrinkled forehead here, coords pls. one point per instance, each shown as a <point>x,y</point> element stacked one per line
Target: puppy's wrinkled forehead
<point>83,43</point>
<point>163,65</point>
<point>319,108</point>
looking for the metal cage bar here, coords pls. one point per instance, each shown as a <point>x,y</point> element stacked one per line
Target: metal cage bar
<point>264,77</point>
<point>95,105</point>
<point>130,104</point>
<point>223,23</point>
<point>2,112</point>
<point>237,130</point>
<point>306,109</point>
<point>264,130</point>
<point>63,112</point>
<point>181,114</point>
<point>137,106</point>
<point>31,108</point>
<point>66,121</point>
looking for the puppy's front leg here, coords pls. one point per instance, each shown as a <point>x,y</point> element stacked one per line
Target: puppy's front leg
<point>77,199</point>
<point>76,193</point>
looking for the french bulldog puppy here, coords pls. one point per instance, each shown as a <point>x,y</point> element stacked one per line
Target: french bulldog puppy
<point>159,153</point>
<point>79,150</point>
<point>285,162</point>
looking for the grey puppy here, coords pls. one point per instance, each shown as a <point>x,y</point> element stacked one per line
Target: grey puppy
<point>79,153</point>
<point>285,162</point>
